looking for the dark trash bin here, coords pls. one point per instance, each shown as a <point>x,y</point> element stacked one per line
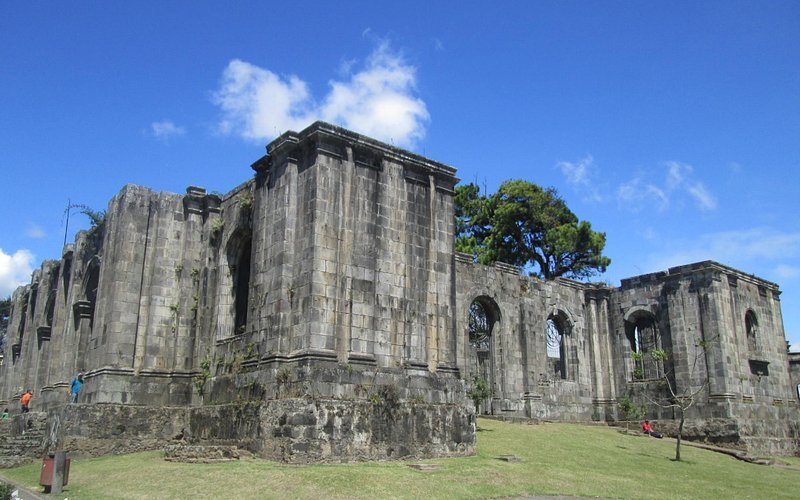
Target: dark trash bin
<point>48,472</point>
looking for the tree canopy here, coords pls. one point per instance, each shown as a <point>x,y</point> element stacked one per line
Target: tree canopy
<point>530,227</point>
<point>5,313</point>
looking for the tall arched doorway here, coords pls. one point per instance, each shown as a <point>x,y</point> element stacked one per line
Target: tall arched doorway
<point>483,317</point>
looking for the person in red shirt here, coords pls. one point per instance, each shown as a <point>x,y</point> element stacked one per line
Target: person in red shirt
<point>648,429</point>
<point>25,400</point>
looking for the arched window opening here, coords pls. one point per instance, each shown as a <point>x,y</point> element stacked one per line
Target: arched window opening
<point>241,287</point>
<point>480,328</point>
<point>644,340</point>
<point>483,316</point>
<point>556,351</point>
<point>751,327</point>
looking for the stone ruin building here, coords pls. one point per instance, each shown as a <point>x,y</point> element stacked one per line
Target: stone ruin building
<point>318,312</point>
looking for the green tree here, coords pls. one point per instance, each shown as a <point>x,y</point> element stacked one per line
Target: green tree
<point>479,391</point>
<point>471,219</point>
<point>530,227</point>
<point>5,314</point>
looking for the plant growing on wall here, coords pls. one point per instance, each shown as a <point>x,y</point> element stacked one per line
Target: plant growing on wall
<point>205,374</point>
<point>216,225</point>
<point>479,391</point>
<point>245,200</point>
<point>5,314</point>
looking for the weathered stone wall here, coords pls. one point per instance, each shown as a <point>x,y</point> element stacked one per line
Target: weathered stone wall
<point>327,284</point>
<point>102,429</point>
<point>352,245</point>
<point>794,375</point>
<point>334,430</point>
<point>295,430</point>
<point>685,308</point>
<point>707,302</point>
<point>524,379</point>
<point>23,438</point>
<point>327,276</point>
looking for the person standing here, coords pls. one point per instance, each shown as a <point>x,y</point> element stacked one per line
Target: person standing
<point>75,388</point>
<point>25,400</point>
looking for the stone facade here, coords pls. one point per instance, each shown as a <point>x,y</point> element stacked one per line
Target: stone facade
<point>747,397</point>
<point>318,312</point>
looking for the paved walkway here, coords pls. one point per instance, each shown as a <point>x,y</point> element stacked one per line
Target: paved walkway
<point>26,494</point>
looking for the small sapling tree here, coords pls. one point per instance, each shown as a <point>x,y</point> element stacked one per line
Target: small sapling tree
<point>479,391</point>
<point>680,395</point>
<point>630,410</point>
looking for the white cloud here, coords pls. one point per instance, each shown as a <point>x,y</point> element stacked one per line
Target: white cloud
<point>166,129</point>
<point>35,231</point>
<point>678,183</point>
<point>377,101</point>
<point>705,199</point>
<point>637,194</point>
<point>680,179</point>
<point>15,270</point>
<point>581,175</point>
<point>676,173</point>
<point>744,248</point>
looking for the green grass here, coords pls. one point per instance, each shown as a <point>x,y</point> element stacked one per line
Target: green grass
<point>556,459</point>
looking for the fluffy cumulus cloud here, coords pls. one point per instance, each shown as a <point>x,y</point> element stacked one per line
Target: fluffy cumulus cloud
<point>377,100</point>
<point>166,129</point>
<point>659,190</point>
<point>15,270</point>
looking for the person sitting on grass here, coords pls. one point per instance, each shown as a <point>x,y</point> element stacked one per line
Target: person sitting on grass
<point>648,429</point>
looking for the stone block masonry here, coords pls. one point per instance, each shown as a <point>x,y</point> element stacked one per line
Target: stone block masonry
<point>317,312</point>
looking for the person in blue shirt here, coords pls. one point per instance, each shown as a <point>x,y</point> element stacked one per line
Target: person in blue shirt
<point>75,388</point>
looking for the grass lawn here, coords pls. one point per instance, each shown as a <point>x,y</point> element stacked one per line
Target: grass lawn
<point>555,459</point>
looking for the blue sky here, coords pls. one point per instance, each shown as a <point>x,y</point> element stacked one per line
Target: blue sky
<point>673,127</point>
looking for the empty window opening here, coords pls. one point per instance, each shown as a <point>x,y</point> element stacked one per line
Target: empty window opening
<point>480,328</point>
<point>556,352</point>
<point>483,317</point>
<point>759,368</point>
<point>92,282</point>
<point>241,287</point>
<point>644,340</point>
<point>751,327</point>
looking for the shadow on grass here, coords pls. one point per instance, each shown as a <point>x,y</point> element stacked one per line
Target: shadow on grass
<point>481,429</point>
<point>681,461</point>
